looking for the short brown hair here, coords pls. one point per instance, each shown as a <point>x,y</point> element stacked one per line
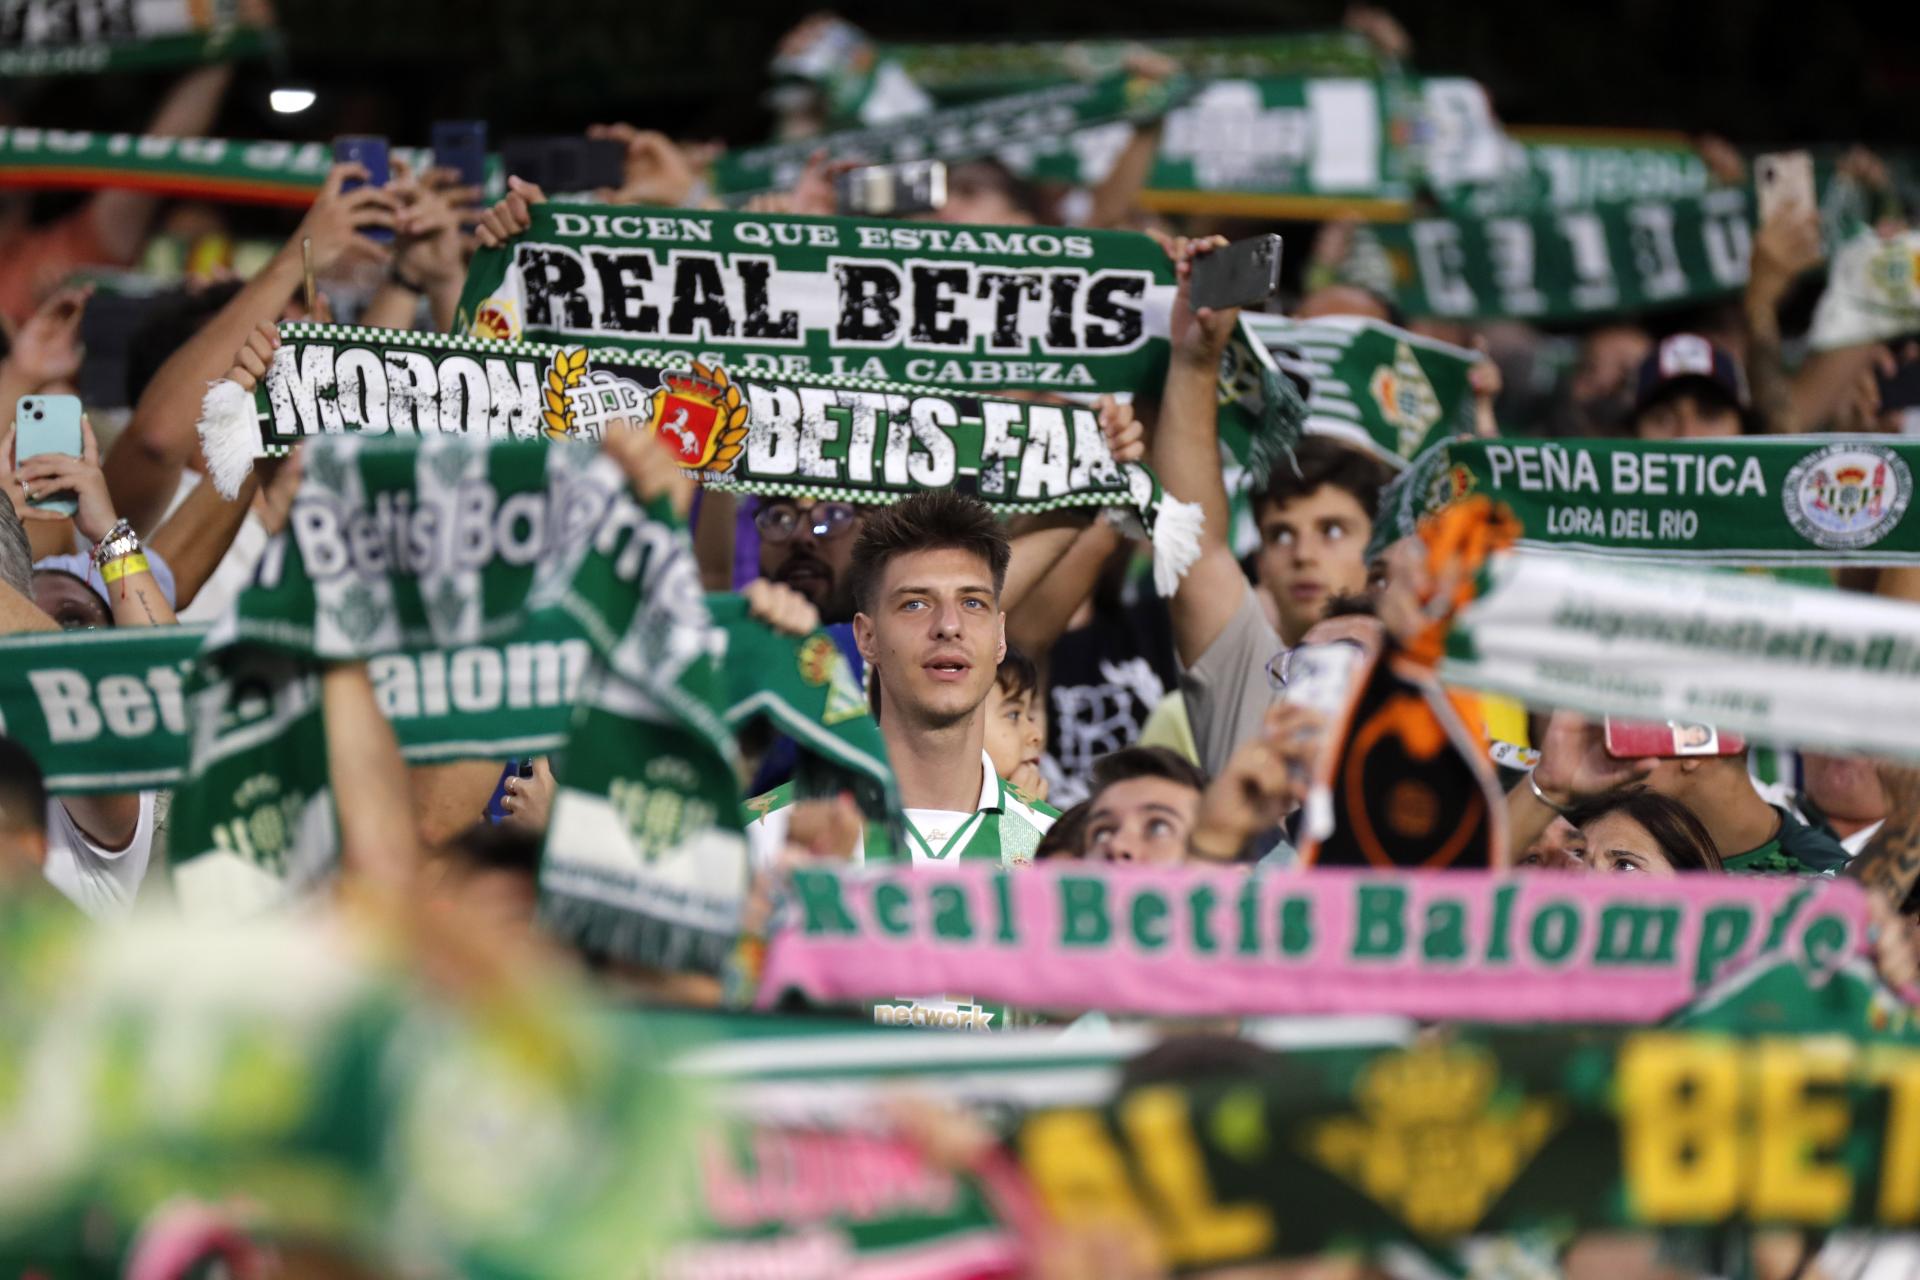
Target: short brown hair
<point>1318,461</point>
<point>932,520</point>
<point>1129,763</point>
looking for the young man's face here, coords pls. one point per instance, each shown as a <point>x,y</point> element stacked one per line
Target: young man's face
<point>1687,417</point>
<point>1144,821</point>
<point>1016,734</point>
<point>934,636</point>
<point>1312,549</point>
<point>808,546</point>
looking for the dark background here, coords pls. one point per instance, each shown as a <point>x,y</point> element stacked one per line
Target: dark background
<point>1759,73</point>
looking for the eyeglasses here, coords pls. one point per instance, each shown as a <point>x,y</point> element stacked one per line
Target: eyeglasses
<point>778,522</point>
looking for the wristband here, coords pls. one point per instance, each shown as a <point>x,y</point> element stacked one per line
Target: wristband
<point>114,570</point>
<point>1541,796</point>
<point>401,278</point>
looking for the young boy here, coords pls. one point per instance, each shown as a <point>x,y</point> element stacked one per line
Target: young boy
<point>1016,726</point>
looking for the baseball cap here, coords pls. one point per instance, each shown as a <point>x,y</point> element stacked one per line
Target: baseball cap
<point>1688,358</point>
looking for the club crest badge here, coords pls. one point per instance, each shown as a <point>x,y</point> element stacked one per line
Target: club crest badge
<point>1847,496</point>
<point>1405,398</point>
<point>701,415</point>
<point>495,319</point>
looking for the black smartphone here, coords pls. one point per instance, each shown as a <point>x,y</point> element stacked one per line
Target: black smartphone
<point>461,145</point>
<point>1243,274</point>
<point>1900,389</point>
<point>371,154</point>
<point>558,165</point>
<point>892,190</point>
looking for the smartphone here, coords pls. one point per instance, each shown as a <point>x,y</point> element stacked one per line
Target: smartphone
<point>1783,180</point>
<point>1243,274</point>
<point>1668,739</point>
<point>371,154</point>
<point>560,165</point>
<point>1900,390</point>
<point>461,145</point>
<point>47,424</point>
<point>892,190</point>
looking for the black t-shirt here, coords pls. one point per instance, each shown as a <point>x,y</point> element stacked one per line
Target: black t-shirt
<point>1103,680</point>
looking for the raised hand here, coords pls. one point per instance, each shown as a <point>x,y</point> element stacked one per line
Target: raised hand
<point>251,360</point>
<point>333,223</point>
<point>652,468</point>
<point>62,473</point>
<point>657,171</point>
<point>511,214</point>
<point>1574,764</point>
<point>781,607</point>
<point>1197,336</point>
<point>1125,434</point>
<point>47,347</point>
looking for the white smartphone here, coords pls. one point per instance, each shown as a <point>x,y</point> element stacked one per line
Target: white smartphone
<point>1783,180</point>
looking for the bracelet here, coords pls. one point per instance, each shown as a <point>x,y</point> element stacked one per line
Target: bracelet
<point>120,541</point>
<point>114,570</point>
<point>399,277</point>
<point>1541,796</point>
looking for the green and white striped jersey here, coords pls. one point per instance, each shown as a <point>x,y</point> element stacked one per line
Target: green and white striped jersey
<point>1005,826</point>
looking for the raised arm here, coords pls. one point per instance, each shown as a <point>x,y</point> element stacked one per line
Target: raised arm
<point>196,537</point>
<point>122,217</point>
<point>1186,455</point>
<point>133,594</point>
<point>143,467</point>
<point>1782,248</point>
<point>1034,623</point>
<point>370,787</point>
<point>1041,547</point>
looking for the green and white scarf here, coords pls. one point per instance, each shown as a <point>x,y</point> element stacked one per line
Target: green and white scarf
<point>1777,663</point>
<point>1618,256</point>
<point>1370,384</point>
<point>105,711</point>
<point>1269,146</point>
<point>88,37</point>
<point>1800,500</point>
<point>439,550</point>
<point>977,69</point>
<point>975,308</point>
<point>1872,294</point>
<point>861,440</point>
<point>257,172</point>
<point>958,133</point>
<point>1539,171</point>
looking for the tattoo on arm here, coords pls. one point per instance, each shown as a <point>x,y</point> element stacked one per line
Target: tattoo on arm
<point>1766,371</point>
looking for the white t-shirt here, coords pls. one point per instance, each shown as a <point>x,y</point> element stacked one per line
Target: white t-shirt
<point>101,882</point>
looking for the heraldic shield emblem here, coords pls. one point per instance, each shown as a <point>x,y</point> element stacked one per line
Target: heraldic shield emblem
<point>699,414</point>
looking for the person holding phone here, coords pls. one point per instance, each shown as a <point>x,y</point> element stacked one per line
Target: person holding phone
<point>66,493</point>
<point>1750,834</point>
<point>144,467</point>
<point>97,847</point>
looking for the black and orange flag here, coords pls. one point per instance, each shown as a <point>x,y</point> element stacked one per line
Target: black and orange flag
<point>1408,780</point>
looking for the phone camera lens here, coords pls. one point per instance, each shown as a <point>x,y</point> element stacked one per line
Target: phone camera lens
<point>38,415</point>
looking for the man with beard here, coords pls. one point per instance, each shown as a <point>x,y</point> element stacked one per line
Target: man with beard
<point>808,545</point>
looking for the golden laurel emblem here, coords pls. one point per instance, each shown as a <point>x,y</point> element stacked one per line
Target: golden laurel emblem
<point>563,375</point>
<point>701,416</point>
